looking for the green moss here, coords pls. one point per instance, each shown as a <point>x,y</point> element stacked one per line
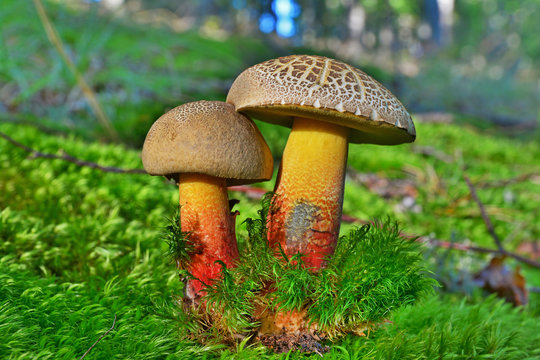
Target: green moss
<point>78,246</point>
<point>443,328</point>
<point>373,272</point>
<point>180,248</point>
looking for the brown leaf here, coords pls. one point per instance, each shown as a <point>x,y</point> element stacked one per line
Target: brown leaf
<point>499,279</point>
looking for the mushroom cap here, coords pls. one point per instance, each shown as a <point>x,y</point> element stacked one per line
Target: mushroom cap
<point>207,137</point>
<point>317,87</point>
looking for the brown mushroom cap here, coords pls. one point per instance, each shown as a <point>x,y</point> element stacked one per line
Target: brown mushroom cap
<point>207,137</point>
<point>324,89</point>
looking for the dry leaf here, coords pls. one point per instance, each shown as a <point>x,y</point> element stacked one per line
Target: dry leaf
<point>499,279</point>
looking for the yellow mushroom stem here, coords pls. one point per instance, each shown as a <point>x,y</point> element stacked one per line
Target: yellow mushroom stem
<point>204,211</point>
<point>306,210</point>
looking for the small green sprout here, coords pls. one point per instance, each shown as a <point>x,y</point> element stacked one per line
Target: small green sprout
<point>180,247</point>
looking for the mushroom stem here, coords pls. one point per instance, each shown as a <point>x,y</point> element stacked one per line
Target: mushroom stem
<point>204,211</point>
<point>306,212</point>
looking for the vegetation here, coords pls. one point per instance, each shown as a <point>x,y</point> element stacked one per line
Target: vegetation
<point>374,271</point>
<point>79,245</point>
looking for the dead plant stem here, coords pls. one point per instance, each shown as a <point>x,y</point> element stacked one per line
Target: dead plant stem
<point>55,40</point>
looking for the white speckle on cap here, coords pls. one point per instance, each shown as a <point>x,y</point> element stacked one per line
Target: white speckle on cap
<point>374,115</point>
<point>333,90</point>
<point>312,89</point>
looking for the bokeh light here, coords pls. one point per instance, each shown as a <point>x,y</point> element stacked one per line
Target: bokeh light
<point>267,23</point>
<point>282,19</point>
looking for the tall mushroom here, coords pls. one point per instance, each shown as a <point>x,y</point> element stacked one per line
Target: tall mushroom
<point>328,104</point>
<point>206,146</point>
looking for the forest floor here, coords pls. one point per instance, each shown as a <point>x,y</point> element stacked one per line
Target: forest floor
<point>82,249</point>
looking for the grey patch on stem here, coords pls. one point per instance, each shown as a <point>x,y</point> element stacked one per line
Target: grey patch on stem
<point>299,221</point>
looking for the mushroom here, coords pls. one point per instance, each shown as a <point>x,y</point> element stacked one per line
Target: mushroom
<point>328,104</point>
<point>206,146</point>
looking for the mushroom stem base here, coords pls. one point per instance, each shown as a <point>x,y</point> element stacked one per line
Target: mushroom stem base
<point>205,213</point>
<point>306,211</point>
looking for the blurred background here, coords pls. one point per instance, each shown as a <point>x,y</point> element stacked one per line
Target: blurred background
<point>471,60</point>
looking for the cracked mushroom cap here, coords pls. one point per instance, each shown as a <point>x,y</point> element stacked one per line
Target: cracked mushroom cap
<point>320,88</point>
<point>207,137</point>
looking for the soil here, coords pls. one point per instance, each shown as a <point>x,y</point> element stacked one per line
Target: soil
<point>285,342</point>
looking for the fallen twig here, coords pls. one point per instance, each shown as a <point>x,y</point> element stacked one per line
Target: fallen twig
<point>429,151</point>
<point>457,246</point>
<point>484,214</point>
<point>34,154</point>
<point>491,229</point>
<point>250,191</point>
<point>510,181</point>
<point>101,337</point>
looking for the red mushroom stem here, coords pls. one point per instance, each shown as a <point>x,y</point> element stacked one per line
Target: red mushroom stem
<point>204,211</point>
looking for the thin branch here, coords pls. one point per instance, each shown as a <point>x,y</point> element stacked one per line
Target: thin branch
<point>250,191</point>
<point>457,246</point>
<point>491,229</point>
<point>87,91</point>
<point>429,151</point>
<point>17,144</point>
<point>485,216</point>
<point>463,247</point>
<point>510,181</point>
<point>34,154</point>
<point>523,259</point>
<point>101,337</point>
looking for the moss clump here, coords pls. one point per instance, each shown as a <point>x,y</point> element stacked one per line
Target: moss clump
<point>179,246</point>
<point>374,271</point>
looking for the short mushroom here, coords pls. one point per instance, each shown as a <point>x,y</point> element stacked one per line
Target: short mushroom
<point>206,146</point>
<point>328,104</point>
